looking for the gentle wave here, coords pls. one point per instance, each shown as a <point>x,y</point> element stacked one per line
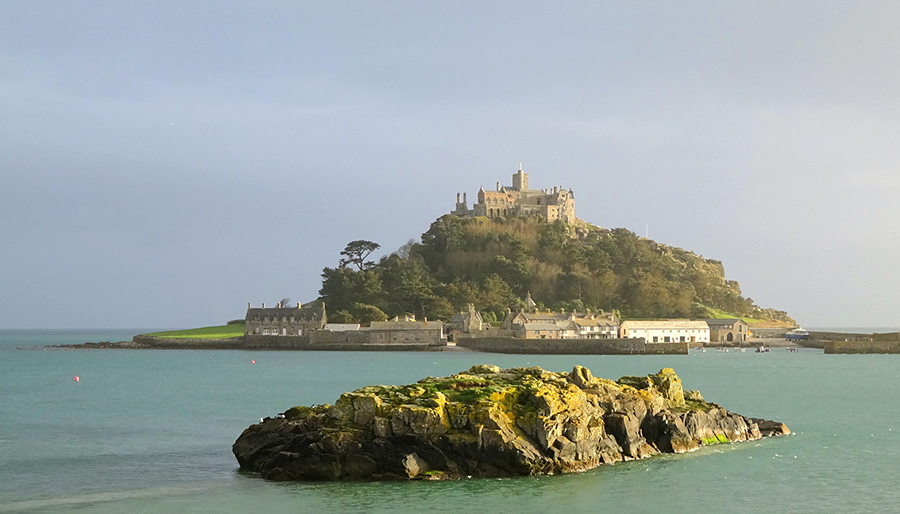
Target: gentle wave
<point>107,496</point>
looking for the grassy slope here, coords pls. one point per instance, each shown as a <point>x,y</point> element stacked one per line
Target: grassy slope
<point>221,332</point>
<point>720,314</point>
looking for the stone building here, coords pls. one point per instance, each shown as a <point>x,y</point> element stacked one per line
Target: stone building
<point>395,333</point>
<point>666,330</point>
<point>283,320</point>
<point>518,200</point>
<point>728,330</point>
<point>466,322</point>
<point>406,332</point>
<point>533,324</point>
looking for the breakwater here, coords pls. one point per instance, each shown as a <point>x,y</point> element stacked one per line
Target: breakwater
<point>636,346</point>
<point>849,336</point>
<point>848,343</point>
<point>850,347</point>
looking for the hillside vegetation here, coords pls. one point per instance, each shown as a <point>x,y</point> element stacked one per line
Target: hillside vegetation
<point>495,263</point>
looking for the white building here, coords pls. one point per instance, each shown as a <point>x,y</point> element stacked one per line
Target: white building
<point>666,330</point>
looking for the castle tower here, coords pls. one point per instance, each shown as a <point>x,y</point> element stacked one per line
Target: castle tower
<point>520,180</point>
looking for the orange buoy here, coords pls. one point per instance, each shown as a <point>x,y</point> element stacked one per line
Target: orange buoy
<point>77,378</point>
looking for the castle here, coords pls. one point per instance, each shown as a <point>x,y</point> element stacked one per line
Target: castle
<point>517,200</point>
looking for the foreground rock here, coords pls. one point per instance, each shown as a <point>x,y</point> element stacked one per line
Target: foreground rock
<point>489,422</point>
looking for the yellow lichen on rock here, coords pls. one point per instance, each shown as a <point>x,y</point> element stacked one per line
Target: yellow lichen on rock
<point>488,421</point>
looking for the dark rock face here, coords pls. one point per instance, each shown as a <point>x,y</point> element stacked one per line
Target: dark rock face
<point>488,422</point>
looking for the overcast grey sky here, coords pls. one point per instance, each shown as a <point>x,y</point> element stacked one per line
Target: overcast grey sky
<point>164,163</point>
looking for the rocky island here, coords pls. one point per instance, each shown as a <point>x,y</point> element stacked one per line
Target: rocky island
<point>491,422</point>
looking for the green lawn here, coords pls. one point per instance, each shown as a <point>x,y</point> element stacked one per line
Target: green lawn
<point>720,314</point>
<point>203,333</point>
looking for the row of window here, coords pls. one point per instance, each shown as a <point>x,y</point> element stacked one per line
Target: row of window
<point>284,319</point>
<point>668,339</point>
<point>276,332</point>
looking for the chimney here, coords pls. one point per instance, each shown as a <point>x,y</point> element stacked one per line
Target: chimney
<point>264,305</point>
<point>457,197</point>
<point>248,306</point>
<point>498,186</point>
<point>464,199</point>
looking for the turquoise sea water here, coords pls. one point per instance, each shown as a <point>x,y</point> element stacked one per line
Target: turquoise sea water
<point>151,431</point>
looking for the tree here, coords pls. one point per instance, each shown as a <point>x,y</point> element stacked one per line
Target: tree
<point>341,316</point>
<point>356,253</point>
<point>366,313</point>
<point>406,284</point>
<point>496,296</point>
<point>342,287</point>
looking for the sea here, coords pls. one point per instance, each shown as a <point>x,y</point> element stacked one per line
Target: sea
<point>151,431</point>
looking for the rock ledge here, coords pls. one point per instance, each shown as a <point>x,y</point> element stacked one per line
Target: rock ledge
<point>491,422</point>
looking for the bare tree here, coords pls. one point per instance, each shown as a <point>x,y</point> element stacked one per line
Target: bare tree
<point>404,251</point>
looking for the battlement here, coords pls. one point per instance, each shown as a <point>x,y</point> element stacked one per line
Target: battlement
<point>553,204</point>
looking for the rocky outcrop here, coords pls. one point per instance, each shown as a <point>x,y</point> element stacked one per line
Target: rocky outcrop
<point>488,422</point>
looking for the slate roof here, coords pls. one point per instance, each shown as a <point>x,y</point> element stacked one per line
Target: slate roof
<point>342,327</point>
<point>464,317</point>
<point>665,324</point>
<point>539,325</point>
<point>722,322</point>
<point>406,325</point>
<point>309,312</point>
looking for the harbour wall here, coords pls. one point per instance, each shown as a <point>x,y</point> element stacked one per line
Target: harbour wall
<point>571,346</point>
<point>329,342</point>
<point>850,347</point>
<point>846,336</point>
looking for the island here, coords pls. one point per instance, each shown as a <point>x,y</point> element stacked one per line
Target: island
<point>491,422</point>
<point>515,272</point>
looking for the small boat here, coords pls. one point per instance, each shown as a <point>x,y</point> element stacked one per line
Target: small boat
<point>791,349</point>
<point>761,349</point>
<point>798,334</point>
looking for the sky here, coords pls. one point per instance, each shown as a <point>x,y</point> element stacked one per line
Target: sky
<point>162,164</point>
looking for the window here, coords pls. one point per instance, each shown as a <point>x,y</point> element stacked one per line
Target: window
<point>655,339</point>
<point>667,339</point>
<point>682,339</point>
